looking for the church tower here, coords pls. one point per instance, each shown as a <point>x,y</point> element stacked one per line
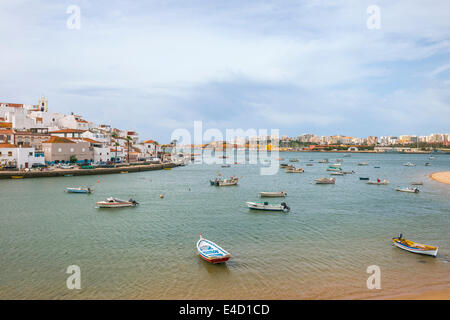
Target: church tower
<point>43,104</point>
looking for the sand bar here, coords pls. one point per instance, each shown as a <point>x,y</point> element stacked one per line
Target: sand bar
<point>443,177</point>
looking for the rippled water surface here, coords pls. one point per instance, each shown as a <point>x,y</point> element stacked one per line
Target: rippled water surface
<point>321,249</point>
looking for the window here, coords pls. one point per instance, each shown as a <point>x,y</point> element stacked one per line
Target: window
<point>30,154</point>
<point>59,150</point>
<point>9,153</point>
<point>83,150</point>
<point>0,153</point>
<point>71,150</point>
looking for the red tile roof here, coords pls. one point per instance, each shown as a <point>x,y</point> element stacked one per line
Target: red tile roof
<point>68,131</point>
<point>5,125</point>
<point>7,145</point>
<point>58,140</point>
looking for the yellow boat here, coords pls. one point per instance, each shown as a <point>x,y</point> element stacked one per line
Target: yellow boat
<point>16,177</point>
<point>415,247</point>
<point>167,168</point>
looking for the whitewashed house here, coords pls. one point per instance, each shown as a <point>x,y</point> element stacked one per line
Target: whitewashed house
<point>12,155</point>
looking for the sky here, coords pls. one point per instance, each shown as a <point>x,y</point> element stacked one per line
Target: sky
<point>297,66</point>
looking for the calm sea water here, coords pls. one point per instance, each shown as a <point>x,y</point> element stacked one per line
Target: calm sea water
<point>321,249</point>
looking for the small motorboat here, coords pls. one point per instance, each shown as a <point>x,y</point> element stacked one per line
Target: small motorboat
<point>273,194</point>
<point>363,163</point>
<point>233,181</point>
<point>309,164</point>
<point>336,173</point>
<point>409,164</point>
<point>226,165</point>
<point>339,160</point>
<point>325,181</point>
<point>164,169</point>
<point>323,161</point>
<point>378,182</point>
<point>417,183</point>
<point>348,172</point>
<point>431,158</point>
<point>293,160</point>
<point>363,178</point>
<point>79,190</point>
<point>116,203</point>
<point>427,164</point>
<point>333,168</point>
<point>284,165</point>
<point>66,166</point>
<point>266,206</point>
<point>377,167</point>
<point>211,252</point>
<point>294,170</point>
<point>16,177</point>
<point>410,190</point>
<point>415,247</point>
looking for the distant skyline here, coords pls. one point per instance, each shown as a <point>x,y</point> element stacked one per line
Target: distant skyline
<point>297,66</point>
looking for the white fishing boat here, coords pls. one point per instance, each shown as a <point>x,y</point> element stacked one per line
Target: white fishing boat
<point>337,165</point>
<point>415,247</point>
<point>431,158</point>
<point>273,194</point>
<point>211,252</point>
<point>266,206</point>
<point>294,170</point>
<point>233,181</point>
<point>348,172</point>
<point>325,181</point>
<point>410,190</point>
<point>363,163</point>
<point>293,160</point>
<point>409,164</point>
<point>116,203</point>
<point>79,190</point>
<point>226,165</point>
<point>66,166</point>
<point>323,161</point>
<point>378,182</point>
<point>336,173</point>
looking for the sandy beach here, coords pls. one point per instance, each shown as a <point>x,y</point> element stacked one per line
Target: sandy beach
<point>443,177</point>
<point>439,294</point>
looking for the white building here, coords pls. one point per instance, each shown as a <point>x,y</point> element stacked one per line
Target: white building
<point>11,155</point>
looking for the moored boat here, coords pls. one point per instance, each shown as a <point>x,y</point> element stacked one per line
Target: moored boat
<point>293,160</point>
<point>309,164</point>
<point>409,164</point>
<point>363,178</point>
<point>266,206</point>
<point>427,164</point>
<point>323,161</point>
<point>233,181</point>
<point>116,203</point>
<point>378,182</point>
<point>333,168</point>
<point>363,163</point>
<point>273,194</point>
<point>417,183</point>
<point>16,177</point>
<point>211,252</point>
<point>410,190</point>
<point>415,247</point>
<point>79,190</point>
<point>325,181</point>
<point>294,170</point>
<point>336,173</point>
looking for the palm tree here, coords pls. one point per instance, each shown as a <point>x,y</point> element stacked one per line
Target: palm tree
<point>116,144</point>
<point>128,138</point>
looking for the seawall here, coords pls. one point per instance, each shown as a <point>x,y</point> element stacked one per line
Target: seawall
<point>83,172</point>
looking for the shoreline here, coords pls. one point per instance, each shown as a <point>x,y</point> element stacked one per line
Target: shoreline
<point>437,293</point>
<point>84,172</point>
<point>441,176</point>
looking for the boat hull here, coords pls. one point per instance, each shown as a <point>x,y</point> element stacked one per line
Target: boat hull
<point>272,194</point>
<point>211,252</point>
<point>432,253</point>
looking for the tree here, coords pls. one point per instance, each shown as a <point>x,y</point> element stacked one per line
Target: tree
<point>73,159</point>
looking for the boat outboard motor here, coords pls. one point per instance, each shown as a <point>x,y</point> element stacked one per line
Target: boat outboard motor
<point>285,207</point>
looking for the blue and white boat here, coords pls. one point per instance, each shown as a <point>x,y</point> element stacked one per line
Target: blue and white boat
<point>211,252</point>
<point>79,190</point>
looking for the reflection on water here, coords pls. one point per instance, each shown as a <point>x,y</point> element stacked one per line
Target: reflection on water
<point>321,249</point>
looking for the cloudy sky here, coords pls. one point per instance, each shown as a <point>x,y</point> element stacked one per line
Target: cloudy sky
<point>298,66</point>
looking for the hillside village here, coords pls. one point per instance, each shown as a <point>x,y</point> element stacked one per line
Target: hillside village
<point>31,137</point>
